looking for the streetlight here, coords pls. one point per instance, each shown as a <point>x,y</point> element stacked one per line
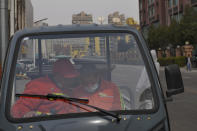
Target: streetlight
<point>40,20</point>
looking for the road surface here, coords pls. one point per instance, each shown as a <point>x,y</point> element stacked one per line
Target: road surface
<point>183,109</point>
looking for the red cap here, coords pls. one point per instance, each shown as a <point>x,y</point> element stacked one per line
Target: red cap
<point>64,68</point>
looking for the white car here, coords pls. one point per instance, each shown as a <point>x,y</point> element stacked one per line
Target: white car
<point>143,99</point>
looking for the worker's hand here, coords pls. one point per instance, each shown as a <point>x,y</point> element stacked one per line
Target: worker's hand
<point>31,114</point>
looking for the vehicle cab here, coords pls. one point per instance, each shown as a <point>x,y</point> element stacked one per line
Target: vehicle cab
<point>91,77</point>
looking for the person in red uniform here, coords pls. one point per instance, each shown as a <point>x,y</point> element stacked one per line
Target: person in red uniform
<point>100,93</point>
<point>61,82</point>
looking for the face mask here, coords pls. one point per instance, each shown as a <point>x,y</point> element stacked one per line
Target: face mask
<point>92,88</point>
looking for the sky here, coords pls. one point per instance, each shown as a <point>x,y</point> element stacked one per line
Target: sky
<point>61,11</point>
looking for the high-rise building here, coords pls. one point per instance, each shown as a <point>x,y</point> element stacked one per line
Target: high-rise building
<point>116,18</point>
<point>175,8</point>
<point>21,15</point>
<point>82,18</point>
<point>151,12</point>
<point>161,12</point>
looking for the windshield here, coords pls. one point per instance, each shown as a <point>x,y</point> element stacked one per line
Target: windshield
<point>106,69</point>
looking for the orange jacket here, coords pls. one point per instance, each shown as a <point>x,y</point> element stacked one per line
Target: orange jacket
<point>106,97</point>
<point>41,86</point>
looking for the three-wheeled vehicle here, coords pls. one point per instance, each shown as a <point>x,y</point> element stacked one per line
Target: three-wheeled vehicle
<point>108,82</point>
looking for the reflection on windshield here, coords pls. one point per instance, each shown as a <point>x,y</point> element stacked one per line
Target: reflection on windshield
<point>106,70</point>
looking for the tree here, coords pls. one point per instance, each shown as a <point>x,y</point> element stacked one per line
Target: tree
<point>177,33</point>
<point>158,37</point>
<point>188,25</point>
<point>131,22</point>
<point>152,40</point>
<point>174,33</point>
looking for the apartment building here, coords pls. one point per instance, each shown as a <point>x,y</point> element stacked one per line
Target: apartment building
<point>161,12</point>
<point>116,18</point>
<point>82,18</point>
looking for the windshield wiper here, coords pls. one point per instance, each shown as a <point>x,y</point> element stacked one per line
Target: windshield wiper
<point>54,97</point>
<point>77,100</point>
<point>117,116</point>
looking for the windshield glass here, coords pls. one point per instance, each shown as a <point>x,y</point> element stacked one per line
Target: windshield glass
<point>106,69</point>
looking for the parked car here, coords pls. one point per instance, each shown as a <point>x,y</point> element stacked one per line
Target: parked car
<point>130,71</point>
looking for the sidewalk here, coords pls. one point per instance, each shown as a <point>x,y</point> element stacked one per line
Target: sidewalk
<point>183,69</point>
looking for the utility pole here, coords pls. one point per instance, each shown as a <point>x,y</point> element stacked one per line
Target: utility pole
<point>3,29</point>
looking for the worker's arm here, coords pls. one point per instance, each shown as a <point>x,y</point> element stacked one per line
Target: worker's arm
<point>24,105</point>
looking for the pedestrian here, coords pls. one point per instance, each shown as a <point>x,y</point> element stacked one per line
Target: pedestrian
<point>62,81</point>
<point>189,64</point>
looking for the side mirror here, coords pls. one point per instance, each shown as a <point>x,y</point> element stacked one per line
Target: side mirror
<point>174,80</point>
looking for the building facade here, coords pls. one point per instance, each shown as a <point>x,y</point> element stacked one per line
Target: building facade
<point>175,8</point>
<point>151,12</point>
<point>15,15</point>
<point>82,18</point>
<point>161,12</point>
<point>116,18</point>
<point>20,15</point>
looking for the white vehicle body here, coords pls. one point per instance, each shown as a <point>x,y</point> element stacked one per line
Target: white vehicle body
<point>142,98</point>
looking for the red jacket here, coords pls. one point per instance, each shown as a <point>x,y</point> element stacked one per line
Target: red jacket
<point>41,86</point>
<point>106,97</point>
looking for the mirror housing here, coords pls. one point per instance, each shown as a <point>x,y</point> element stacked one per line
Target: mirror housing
<point>174,80</point>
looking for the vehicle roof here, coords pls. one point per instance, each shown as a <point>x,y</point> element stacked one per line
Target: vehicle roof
<point>76,27</point>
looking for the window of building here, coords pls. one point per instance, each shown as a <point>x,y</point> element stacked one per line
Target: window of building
<point>175,2</point>
<point>150,2</point>
<point>140,4</point>
<point>151,12</point>
<point>176,17</point>
<point>193,2</point>
<point>169,3</point>
<point>141,17</point>
<point>172,2</point>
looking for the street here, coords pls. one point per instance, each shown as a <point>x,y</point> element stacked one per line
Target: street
<point>183,109</point>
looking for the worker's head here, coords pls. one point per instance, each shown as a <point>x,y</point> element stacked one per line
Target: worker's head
<point>65,73</point>
<point>90,78</point>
